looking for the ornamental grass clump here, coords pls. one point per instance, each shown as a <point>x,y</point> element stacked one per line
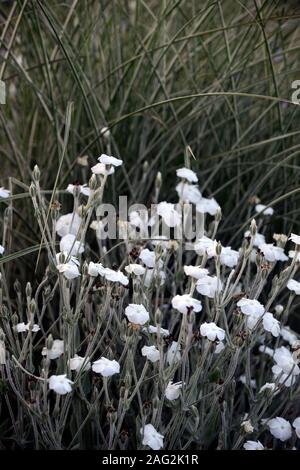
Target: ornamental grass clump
<point>161,342</point>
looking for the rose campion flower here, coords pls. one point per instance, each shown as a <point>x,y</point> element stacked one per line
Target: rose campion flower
<point>209,286</point>
<point>172,391</point>
<point>169,214</point>
<point>296,425</point>
<point>69,223</point>
<point>264,209</point>
<point>106,367</point>
<point>151,353</point>
<point>207,206</point>
<point>158,330</point>
<point>96,269</point>
<point>60,384</point>
<point>187,174</point>
<point>253,445</point>
<point>219,347</point>
<point>173,353</point>
<point>81,188</point>
<point>188,192</point>
<point>251,306</point>
<point>273,253</point>
<point>78,363</point>
<point>185,303</point>
<point>137,314</point>
<point>136,269</point>
<point>148,257</point>
<point>229,257</point>
<point>212,332</point>
<point>4,193</point>
<point>285,368</point>
<point>21,327</point>
<point>70,245</point>
<point>69,270</point>
<point>56,351</point>
<point>151,437</point>
<point>102,169</point>
<point>271,324</point>
<point>294,286</point>
<point>295,238</point>
<point>195,271</point>
<point>116,276</point>
<point>258,239</point>
<point>206,246</point>
<point>2,249</point>
<point>280,428</point>
<point>108,160</point>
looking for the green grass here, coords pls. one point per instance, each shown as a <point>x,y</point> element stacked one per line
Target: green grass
<point>162,75</point>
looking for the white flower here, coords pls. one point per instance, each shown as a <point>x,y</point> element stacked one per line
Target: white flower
<point>173,354</point>
<point>106,367</point>
<point>296,425</point>
<point>148,257</point>
<point>209,286</point>
<point>273,253</point>
<point>285,368</point>
<point>151,353</point>
<point>251,306</point>
<point>107,160</point>
<point>188,192</point>
<point>293,253</point>
<point>96,269</point>
<point>187,174</point>
<point>4,193</point>
<point>151,437</point>
<point>137,314</point>
<point>288,335</point>
<point>295,238</point>
<point>115,276</point>
<point>21,327</point>
<point>81,188</point>
<point>212,332</point>
<point>70,245</point>
<point>206,205</point>
<point>229,257</point>
<point>60,384</point>
<point>271,324</point>
<point>136,269</point>
<point>56,351</point>
<point>270,386</point>
<point>258,239</point>
<point>195,271</point>
<point>102,169</point>
<point>204,246</point>
<point>158,329</point>
<point>280,428</point>
<point>69,270</point>
<point>69,223</point>
<point>169,214</point>
<point>294,286</point>
<point>185,303</point>
<point>139,219</point>
<point>1,250</point>
<point>79,363</point>
<point>265,211</point>
<point>151,274</point>
<point>172,391</point>
<point>253,445</point>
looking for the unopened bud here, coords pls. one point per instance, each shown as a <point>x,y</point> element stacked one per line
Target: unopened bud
<point>218,215</point>
<point>28,290</point>
<point>253,227</point>
<point>36,173</point>
<point>49,342</point>
<point>158,180</point>
<point>219,249</point>
<point>93,182</point>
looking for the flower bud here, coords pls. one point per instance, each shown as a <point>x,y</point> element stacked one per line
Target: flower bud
<point>93,182</point>
<point>28,290</point>
<point>253,227</point>
<point>218,248</point>
<point>36,173</point>
<point>218,215</point>
<point>49,342</point>
<point>158,180</point>
<point>32,190</point>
